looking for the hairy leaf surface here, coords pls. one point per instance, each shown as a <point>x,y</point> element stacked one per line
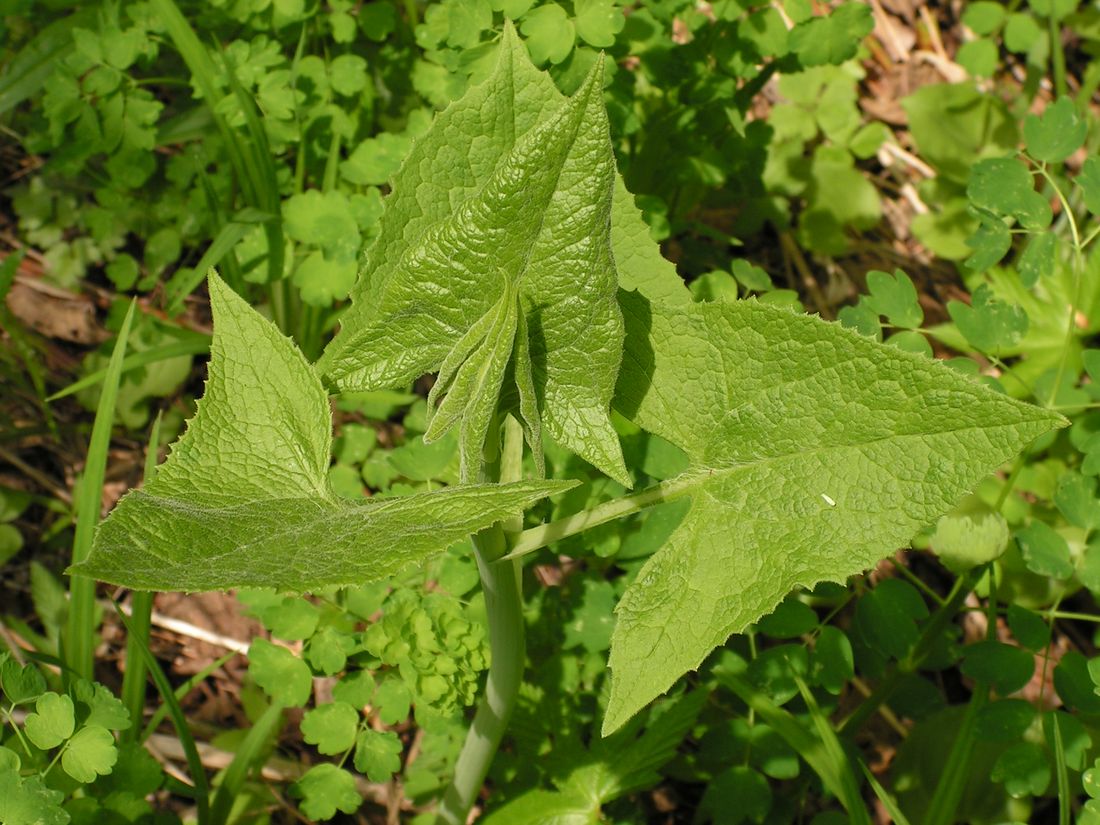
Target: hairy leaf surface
<point>513,188</point>
<point>815,452</point>
<point>243,499</point>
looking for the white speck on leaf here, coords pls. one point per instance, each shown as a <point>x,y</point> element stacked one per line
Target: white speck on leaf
<point>828,500</point>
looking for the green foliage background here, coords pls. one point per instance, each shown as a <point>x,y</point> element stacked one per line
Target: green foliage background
<point>264,144</point>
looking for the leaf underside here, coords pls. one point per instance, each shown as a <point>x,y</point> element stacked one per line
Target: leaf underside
<point>243,500</point>
<point>815,452</point>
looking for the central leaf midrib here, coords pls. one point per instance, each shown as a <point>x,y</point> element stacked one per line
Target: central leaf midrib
<point>700,475</point>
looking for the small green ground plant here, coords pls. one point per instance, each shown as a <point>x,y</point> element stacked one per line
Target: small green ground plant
<point>783,451</point>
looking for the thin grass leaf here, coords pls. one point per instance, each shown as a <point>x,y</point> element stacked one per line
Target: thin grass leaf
<point>261,170</point>
<point>81,627</point>
<point>249,753</point>
<point>141,611</point>
<point>29,70</point>
<point>196,344</point>
<point>185,688</point>
<point>807,743</point>
<point>851,797</point>
<point>888,801</point>
<point>187,741</point>
<point>945,799</point>
<point>21,343</point>
<point>234,273</point>
<point>251,159</point>
<point>1065,800</point>
<point>8,267</point>
<point>179,288</point>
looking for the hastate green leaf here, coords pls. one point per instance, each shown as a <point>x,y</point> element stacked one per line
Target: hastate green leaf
<point>540,807</point>
<point>814,453</point>
<point>244,501</point>
<point>637,259</point>
<point>511,188</point>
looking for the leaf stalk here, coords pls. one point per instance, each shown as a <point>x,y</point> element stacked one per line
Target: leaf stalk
<point>501,584</point>
<point>536,538</point>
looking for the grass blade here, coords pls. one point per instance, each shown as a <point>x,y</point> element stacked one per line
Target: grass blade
<point>949,789</point>
<point>187,741</point>
<point>835,771</point>
<point>1065,800</point>
<point>192,345</point>
<point>265,186</point>
<point>80,630</point>
<point>251,158</point>
<point>31,68</point>
<point>888,801</point>
<point>179,288</point>
<point>852,798</point>
<point>162,709</point>
<point>248,754</point>
<point>141,610</point>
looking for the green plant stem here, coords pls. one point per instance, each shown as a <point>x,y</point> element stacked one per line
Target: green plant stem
<point>536,538</point>
<point>500,582</point>
<point>18,733</point>
<point>80,631</point>
<point>1078,263</point>
<point>1089,238</point>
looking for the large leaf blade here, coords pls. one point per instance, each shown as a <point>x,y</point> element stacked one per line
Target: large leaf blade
<point>243,500</point>
<point>815,453</point>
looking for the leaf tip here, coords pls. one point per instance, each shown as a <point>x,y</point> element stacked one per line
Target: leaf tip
<point>620,709</point>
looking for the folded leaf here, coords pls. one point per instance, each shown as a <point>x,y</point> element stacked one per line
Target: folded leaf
<point>243,499</point>
<point>815,453</point>
<point>511,180</point>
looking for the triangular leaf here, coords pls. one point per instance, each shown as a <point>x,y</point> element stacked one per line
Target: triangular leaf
<point>243,500</point>
<point>815,452</point>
